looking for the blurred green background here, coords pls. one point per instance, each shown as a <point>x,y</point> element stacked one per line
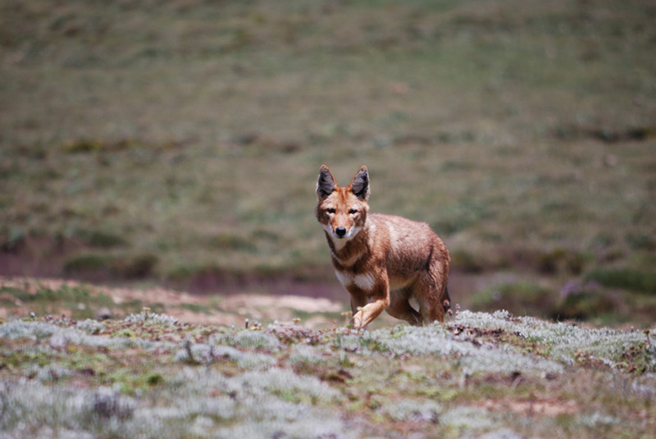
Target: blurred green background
<point>177,142</point>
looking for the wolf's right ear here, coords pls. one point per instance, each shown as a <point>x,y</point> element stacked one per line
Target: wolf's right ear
<point>326,183</point>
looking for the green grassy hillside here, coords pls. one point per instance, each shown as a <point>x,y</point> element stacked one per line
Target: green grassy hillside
<point>179,141</point>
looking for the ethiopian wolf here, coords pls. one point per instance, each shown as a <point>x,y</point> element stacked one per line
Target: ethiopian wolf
<point>386,262</point>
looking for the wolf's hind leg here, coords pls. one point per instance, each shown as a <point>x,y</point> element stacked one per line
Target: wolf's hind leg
<point>400,308</point>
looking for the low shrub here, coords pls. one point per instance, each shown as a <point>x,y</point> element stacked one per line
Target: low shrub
<point>129,267</point>
<point>87,262</point>
<point>104,240</point>
<point>464,261</point>
<point>136,267</point>
<point>625,278</point>
<point>518,298</point>
<point>583,301</point>
<point>561,260</point>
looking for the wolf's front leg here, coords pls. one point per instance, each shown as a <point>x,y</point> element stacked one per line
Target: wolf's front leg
<point>363,315</point>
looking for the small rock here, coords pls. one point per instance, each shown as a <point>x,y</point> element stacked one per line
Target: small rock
<point>104,314</point>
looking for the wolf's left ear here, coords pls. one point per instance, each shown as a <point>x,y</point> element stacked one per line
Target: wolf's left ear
<point>326,183</point>
<point>360,184</point>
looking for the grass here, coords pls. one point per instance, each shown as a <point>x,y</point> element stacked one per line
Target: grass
<point>25,296</point>
<point>77,301</point>
<point>183,142</point>
<point>478,374</point>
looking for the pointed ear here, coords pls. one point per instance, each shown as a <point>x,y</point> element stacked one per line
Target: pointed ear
<point>326,183</point>
<point>360,184</point>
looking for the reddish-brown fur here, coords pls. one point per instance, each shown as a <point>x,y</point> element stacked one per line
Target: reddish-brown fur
<point>385,262</point>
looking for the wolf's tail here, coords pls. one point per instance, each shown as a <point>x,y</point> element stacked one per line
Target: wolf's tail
<point>447,300</point>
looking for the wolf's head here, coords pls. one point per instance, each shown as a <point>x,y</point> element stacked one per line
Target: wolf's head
<point>342,211</point>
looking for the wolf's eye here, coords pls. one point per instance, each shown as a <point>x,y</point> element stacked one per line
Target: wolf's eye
<point>330,210</point>
<point>352,211</point>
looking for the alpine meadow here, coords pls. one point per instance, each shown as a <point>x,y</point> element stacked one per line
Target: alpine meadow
<point>162,272</point>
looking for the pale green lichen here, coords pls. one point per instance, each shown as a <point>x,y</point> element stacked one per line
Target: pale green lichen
<point>255,404</point>
<point>208,354</point>
<point>565,339</point>
<point>468,418</point>
<point>256,340</point>
<point>304,354</point>
<point>91,327</point>
<point>413,411</point>
<point>151,318</point>
<point>436,340</point>
<point>312,384</point>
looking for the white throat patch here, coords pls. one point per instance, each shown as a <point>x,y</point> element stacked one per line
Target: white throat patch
<point>365,282</point>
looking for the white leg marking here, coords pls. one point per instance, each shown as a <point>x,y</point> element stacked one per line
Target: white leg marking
<point>414,303</point>
<point>344,278</point>
<point>365,282</point>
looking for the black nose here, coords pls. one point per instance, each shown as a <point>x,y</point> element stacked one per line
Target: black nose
<point>340,231</point>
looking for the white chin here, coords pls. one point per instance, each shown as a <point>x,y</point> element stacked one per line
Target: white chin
<point>350,234</point>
